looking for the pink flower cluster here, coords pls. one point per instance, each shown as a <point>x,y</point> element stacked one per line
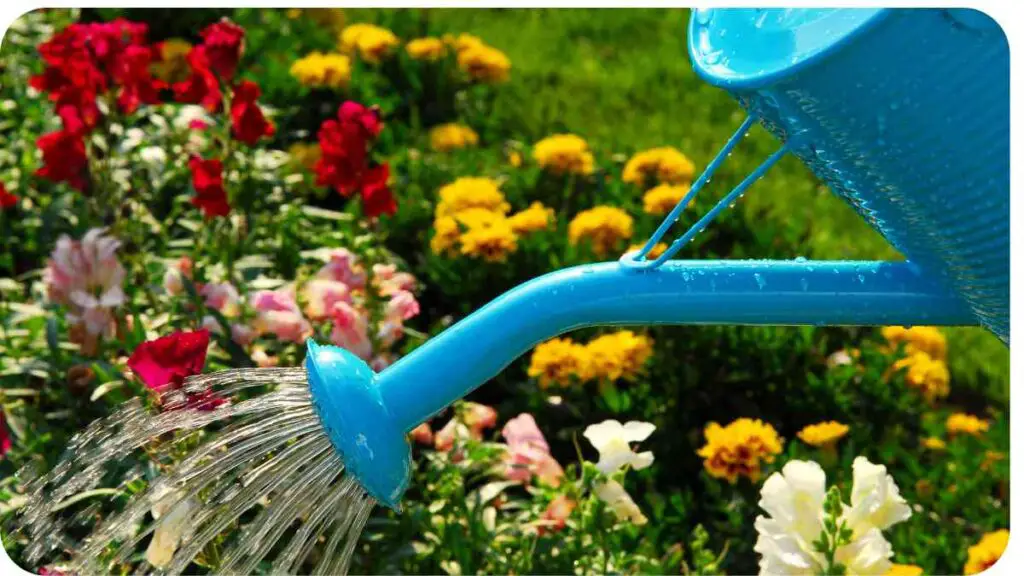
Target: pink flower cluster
<point>86,277</point>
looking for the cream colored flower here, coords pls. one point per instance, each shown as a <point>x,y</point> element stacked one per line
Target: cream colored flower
<point>612,438</point>
<point>615,496</point>
<point>174,518</point>
<point>875,499</point>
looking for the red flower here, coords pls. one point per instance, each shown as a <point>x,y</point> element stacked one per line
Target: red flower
<point>5,438</point>
<point>208,180</point>
<point>137,83</point>
<point>377,197</point>
<point>223,42</point>
<point>366,118</point>
<point>7,200</point>
<point>164,363</point>
<point>202,86</point>
<point>64,158</point>
<point>247,121</point>
<point>343,147</point>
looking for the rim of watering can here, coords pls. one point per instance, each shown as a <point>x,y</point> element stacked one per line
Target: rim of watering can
<point>774,42</point>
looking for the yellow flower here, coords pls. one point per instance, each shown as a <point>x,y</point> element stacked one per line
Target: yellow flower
<point>666,165</point>
<point>484,63</point>
<point>493,243</point>
<point>534,218</point>
<point>371,42</point>
<point>515,159</point>
<point>925,373</point>
<point>986,552</point>
<point>904,570</point>
<point>322,70</point>
<point>173,64</point>
<point>462,42</point>
<point>473,218</point>
<point>471,193</point>
<point>663,198</point>
<point>933,443</point>
<point>656,250</point>
<point>447,137</point>
<point>603,226</point>
<point>446,234</point>
<point>739,448</point>
<point>823,434</point>
<point>425,48</point>
<point>618,355</point>
<point>960,423</point>
<point>304,155</point>
<point>557,361</point>
<point>925,339</point>
<point>564,154</point>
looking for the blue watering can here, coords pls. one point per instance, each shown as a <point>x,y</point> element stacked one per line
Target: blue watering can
<point>903,113</point>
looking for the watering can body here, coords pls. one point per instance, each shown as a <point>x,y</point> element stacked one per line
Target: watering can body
<point>904,113</point>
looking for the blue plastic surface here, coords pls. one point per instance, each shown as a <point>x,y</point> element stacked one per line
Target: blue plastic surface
<point>905,116</point>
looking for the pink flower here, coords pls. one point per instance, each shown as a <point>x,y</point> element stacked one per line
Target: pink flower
<point>479,418</point>
<point>279,314</point>
<point>445,438</point>
<point>343,266</point>
<point>86,277</point>
<point>422,434</point>
<point>262,359</point>
<point>557,512</point>
<point>402,306</point>
<point>222,297</point>
<point>240,333</point>
<point>389,280</point>
<point>350,330</point>
<point>528,454</point>
<point>321,294</point>
<point>5,438</point>
<point>173,277</point>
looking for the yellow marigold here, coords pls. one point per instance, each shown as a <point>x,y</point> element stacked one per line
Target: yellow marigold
<point>322,70</point>
<point>925,373</point>
<point>474,218</point>
<point>447,137</point>
<point>656,250</point>
<point>926,339</point>
<point>666,165</point>
<point>904,570</point>
<point>961,423</point>
<point>485,63</point>
<point>371,42</point>
<point>823,434</point>
<point>663,198</point>
<point>471,193</point>
<point>462,42</point>
<point>557,361</point>
<point>446,234</point>
<point>564,154</point>
<point>933,443</point>
<point>304,155</point>
<point>739,448</point>
<point>603,226</point>
<point>425,48</point>
<point>618,355</point>
<point>536,217</point>
<point>173,64</point>
<point>493,243</point>
<point>986,552</point>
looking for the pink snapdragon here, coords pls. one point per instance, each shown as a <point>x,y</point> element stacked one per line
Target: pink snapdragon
<point>351,330</point>
<point>390,281</point>
<point>343,266</point>
<point>321,294</point>
<point>278,313</point>
<point>528,453</point>
<point>174,277</point>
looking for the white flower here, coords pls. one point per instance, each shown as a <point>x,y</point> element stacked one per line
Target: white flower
<point>154,156</point>
<point>132,139</point>
<point>171,526</point>
<point>612,438</point>
<point>869,553</point>
<point>188,113</point>
<point>615,496</point>
<point>875,499</point>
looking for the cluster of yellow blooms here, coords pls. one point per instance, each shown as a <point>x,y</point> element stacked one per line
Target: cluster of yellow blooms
<point>607,358</point>
<point>173,65</point>
<point>603,226</point>
<point>925,358</point>
<point>448,137</point>
<point>663,198</point>
<point>739,448</point>
<point>371,43</point>
<point>471,217</point>
<point>428,49</point>
<point>986,552</point>
<point>665,165</point>
<point>478,60</point>
<point>823,434</point>
<point>961,423</point>
<point>322,70</point>
<point>564,154</point>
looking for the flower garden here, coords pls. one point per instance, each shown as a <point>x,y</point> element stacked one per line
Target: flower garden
<point>184,191</point>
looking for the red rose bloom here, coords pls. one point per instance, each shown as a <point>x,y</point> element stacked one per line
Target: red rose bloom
<point>208,180</point>
<point>247,121</point>
<point>164,363</point>
<point>223,42</point>
<point>202,86</point>
<point>377,197</point>
<point>64,158</point>
<point>7,200</point>
<point>137,83</point>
